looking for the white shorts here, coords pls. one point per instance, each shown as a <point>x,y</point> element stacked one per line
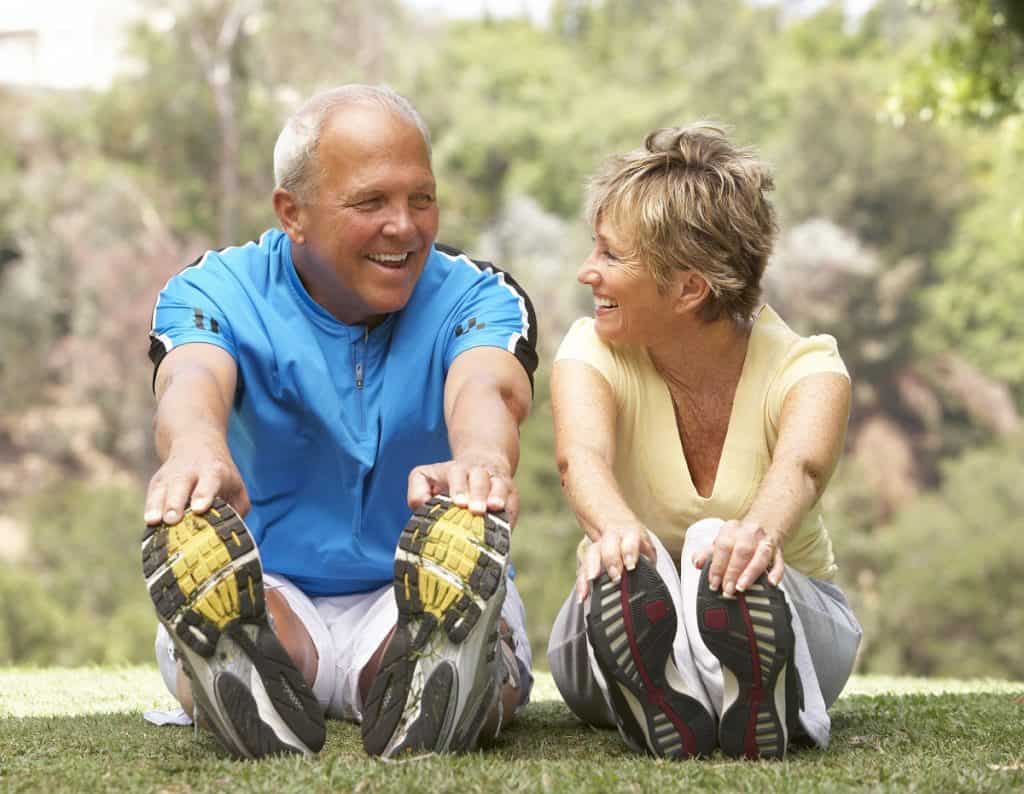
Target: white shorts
<point>346,631</point>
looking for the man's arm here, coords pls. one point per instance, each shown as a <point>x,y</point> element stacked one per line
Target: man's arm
<point>195,387</point>
<point>487,395</point>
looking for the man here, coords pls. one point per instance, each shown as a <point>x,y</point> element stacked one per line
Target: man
<point>321,382</point>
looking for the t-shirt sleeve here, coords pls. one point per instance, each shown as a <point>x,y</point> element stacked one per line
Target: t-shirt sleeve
<point>495,312</point>
<point>807,356</point>
<point>582,343</point>
<point>191,309</point>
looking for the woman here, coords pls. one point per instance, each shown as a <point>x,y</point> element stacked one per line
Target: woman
<point>696,433</point>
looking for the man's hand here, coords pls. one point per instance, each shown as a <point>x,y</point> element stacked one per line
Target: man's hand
<point>742,552</point>
<point>198,469</point>
<point>475,485</point>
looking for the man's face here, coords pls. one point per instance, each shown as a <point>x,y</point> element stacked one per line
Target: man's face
<point>374,217</point>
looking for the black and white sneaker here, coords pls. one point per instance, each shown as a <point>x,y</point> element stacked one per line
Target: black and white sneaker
<point>206,581</point>
<point>632,626</point>
<point>752,636</point>
<point>439,676</point>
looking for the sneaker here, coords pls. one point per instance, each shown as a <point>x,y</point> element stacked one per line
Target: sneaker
<point>440,676</point>
<point>752,636</point>
<point>632,626</point>
<point>206,582</point>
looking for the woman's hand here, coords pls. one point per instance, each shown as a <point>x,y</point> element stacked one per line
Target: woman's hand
<point>615,551</point>
<point>742,551</point>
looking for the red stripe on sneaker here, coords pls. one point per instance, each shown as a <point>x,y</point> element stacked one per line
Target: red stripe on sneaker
<point>654,695</point>
<point>750,748</point>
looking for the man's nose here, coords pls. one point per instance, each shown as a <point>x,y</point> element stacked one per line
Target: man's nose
<point>399,222</point>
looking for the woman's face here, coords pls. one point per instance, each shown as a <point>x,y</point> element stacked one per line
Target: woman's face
<point>628,308</point>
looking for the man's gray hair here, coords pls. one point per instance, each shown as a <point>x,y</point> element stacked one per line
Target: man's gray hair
<point>295,153</point>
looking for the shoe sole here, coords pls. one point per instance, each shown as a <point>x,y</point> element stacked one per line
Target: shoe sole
<point>752,636</point>
<point>632,627</point>
<point>450,569</point>
<point>206,582</point>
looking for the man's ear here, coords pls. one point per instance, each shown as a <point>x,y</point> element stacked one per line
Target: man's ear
<point>289,213</point>
<point>691,290</point>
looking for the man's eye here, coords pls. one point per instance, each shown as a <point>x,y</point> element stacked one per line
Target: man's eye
<point>369,204</point>
<point>422,200</point>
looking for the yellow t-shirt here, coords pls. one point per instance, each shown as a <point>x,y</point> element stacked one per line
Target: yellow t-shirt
<point>650,467</point>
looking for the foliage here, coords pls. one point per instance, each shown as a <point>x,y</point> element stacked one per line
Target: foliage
<point>901,237</point>
<point>81,599</point>
<point>938,587</point>
<point>974,303</point>
<point>974,71</point>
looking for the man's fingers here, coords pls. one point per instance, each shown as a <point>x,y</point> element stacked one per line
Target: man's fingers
<point>238,498</point>
<point>512,506</point>
<point>458,484</point>
<point>479,481</point>
<point>421,487</point>
<point>501,489</point>
<point>207,487</point>
<point>179,493</point>
<point>154,511</point>
<point>759,563</point>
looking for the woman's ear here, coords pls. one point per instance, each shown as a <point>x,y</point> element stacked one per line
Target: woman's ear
<point>691,290</point>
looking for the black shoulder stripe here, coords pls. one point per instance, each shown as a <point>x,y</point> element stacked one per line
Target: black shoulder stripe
<point>526,347</point>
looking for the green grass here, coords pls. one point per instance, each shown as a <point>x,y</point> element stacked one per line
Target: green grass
<point>81,730</point>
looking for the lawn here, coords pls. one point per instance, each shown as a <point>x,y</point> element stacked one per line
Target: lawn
<point>81,730</point>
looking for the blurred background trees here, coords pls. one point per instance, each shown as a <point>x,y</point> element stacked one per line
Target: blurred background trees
<point>897,134</point>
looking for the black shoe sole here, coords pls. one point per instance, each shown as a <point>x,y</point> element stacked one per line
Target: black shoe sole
<point>752,636</point>
<point>632,627</point>
<point>206,583</point>
<point>448,563</point>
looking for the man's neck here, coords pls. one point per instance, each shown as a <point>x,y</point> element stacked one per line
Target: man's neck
<point>332,296</point>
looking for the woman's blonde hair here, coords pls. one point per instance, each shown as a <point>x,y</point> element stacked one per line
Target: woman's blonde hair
<point>691,200</point>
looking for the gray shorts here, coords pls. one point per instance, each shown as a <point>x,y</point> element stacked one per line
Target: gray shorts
<point>827,635</point>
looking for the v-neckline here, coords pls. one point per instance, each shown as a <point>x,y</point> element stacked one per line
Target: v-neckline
<point>729,428</point>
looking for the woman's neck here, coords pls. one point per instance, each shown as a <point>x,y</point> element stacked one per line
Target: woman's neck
<point>703,355</point>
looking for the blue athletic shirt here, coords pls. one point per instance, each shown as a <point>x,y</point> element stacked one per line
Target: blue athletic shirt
<point>328,418</point>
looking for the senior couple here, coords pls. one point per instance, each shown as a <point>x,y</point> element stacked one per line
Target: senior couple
<point>345,369</point>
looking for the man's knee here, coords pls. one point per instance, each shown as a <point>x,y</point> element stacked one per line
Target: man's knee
<point>294,636</point>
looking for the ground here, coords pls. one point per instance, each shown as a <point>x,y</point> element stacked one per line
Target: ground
<point>81,730</point>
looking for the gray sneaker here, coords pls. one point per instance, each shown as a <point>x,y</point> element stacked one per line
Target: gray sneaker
<point>206,581</point>
<point>440,676</point>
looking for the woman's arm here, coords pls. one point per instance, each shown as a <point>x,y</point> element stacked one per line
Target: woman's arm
<point>812,430</point>
<point>584,414</point>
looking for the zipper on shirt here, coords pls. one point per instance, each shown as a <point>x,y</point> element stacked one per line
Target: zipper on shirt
<point>359,353</point>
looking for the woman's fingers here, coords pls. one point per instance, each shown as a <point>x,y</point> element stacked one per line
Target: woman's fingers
<point>760,561</point>
<point>778,569</point>
<point>611,554</point>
